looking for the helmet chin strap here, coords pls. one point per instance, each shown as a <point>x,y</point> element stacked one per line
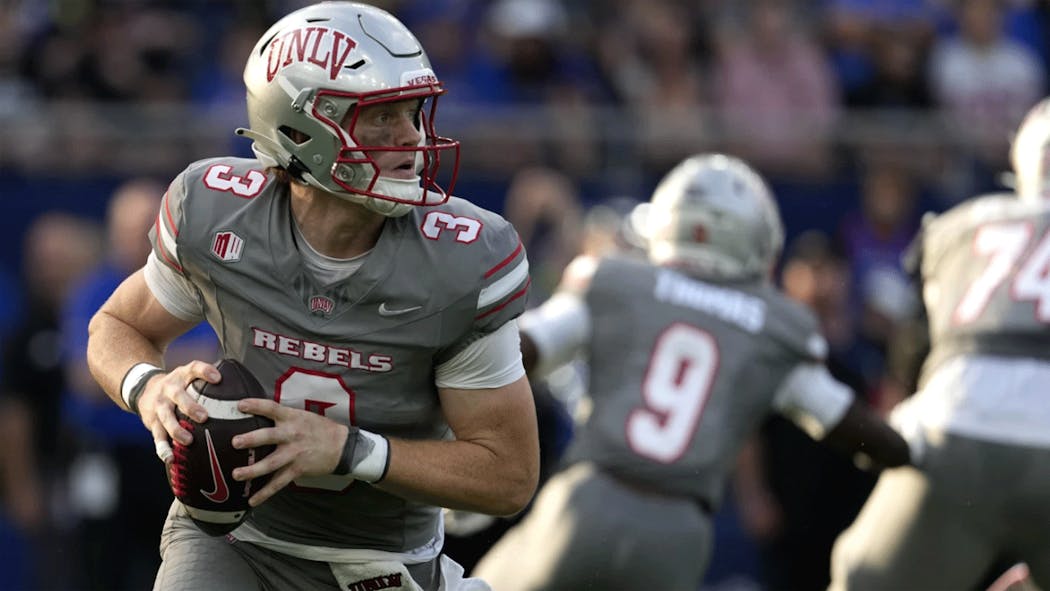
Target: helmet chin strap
<point>407,189</point>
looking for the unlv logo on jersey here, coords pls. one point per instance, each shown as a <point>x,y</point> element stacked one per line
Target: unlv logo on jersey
<point>227,246</point>
<point>321,305</point>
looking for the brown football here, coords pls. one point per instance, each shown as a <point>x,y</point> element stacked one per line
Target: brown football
<point>201,473</point>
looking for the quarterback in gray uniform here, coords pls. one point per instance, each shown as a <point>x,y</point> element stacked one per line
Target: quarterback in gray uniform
<point>377,309</point>
<point>687,353</point>
<point>981,410</point>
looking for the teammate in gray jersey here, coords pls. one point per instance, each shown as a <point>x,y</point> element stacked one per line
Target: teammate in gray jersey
<point>687,353</point>
<point>377,309</point>
<point>981,408</point>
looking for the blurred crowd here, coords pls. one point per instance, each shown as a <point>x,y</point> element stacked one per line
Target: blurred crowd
<point>612,91</point>
<point>864,113</point>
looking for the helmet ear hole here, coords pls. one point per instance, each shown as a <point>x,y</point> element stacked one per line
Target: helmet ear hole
<point>699,233</point>
<point>295,135</point>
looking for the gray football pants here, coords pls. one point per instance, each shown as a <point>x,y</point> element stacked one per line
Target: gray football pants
<point>972,504</point>
<point>193,560</point>
<point>588,531</point>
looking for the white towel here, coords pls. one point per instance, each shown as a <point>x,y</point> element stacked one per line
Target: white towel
<point>373,576</point>
<point>389,574</point>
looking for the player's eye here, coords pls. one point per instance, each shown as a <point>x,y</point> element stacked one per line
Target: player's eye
<point>415,113</point>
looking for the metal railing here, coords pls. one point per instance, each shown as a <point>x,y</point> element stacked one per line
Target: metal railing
<point>617,144</point>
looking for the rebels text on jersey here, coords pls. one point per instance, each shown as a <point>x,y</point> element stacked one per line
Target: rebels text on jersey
<point>361,350</point>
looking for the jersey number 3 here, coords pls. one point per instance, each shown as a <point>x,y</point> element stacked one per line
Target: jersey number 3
<point>676,387</point>
<point>1005,246</point>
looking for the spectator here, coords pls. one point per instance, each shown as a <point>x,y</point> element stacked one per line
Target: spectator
<point>608,228</point>
<point>984,81</point>
<point>875,237</point>
<point>544,206</point>
<point>15,91</point>
<point>873,40</point>
<point>776,92</point>
<point>34,446</point>
<point>898,80</point>
<point>527,60</point>
<point>818,492</point>
<point>650,53</point>
<point>118,514</point>
<point>218,91</point>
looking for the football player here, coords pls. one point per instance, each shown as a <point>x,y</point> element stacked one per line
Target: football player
<point>378,310</point>
<point>981,408</point>
<point>687,353</point>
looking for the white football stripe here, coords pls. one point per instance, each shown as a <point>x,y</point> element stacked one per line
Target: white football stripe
<point>218,409</point>
<point>504,287</point>
<point>214,516</point>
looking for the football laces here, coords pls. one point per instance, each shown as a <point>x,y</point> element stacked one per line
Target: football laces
<point>178,467</point>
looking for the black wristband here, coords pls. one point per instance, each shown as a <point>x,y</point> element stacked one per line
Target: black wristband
<point>131,397</point>
<point>346,460</point>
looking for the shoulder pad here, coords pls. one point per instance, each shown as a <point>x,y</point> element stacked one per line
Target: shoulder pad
<point>198,193</point>
<point>488,254</point>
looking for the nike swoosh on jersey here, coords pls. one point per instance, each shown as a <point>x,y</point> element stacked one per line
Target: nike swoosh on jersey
<point>384,311</point>
<point>221,492</point>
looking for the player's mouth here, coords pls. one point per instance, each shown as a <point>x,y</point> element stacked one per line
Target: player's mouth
<point>405,170</point>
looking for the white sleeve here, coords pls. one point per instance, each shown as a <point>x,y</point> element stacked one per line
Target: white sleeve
<point>813,399</point>
<point>559,328</point>
<point>173,291</point>
<point>489,362</point>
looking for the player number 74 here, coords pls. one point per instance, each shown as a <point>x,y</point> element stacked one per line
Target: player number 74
<point>1005,247</point>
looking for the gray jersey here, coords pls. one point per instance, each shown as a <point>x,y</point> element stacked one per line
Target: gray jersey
<point>682,372</point>
<point>360,351</point>
<point>985,284</point>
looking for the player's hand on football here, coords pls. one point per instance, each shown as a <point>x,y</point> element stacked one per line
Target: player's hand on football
<point>307,444</point>
<point>165,392</point>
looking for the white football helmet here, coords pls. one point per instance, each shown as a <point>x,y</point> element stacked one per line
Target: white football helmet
<point>1030,153</point>
<point>714,214</point>
<point>307,79</point>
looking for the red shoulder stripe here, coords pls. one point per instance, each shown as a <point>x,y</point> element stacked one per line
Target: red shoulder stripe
<point>505,261</point>
<point>171,218</point>
<point>163,251</point>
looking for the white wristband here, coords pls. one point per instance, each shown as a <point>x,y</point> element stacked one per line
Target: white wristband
<point>372,468</point>
<point>132,379</point>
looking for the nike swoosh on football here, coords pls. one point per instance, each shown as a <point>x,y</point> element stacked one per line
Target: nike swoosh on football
<point>384,311</point>
<point>221,492</point>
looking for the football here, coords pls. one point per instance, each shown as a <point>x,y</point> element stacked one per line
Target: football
<point>201,473</point>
